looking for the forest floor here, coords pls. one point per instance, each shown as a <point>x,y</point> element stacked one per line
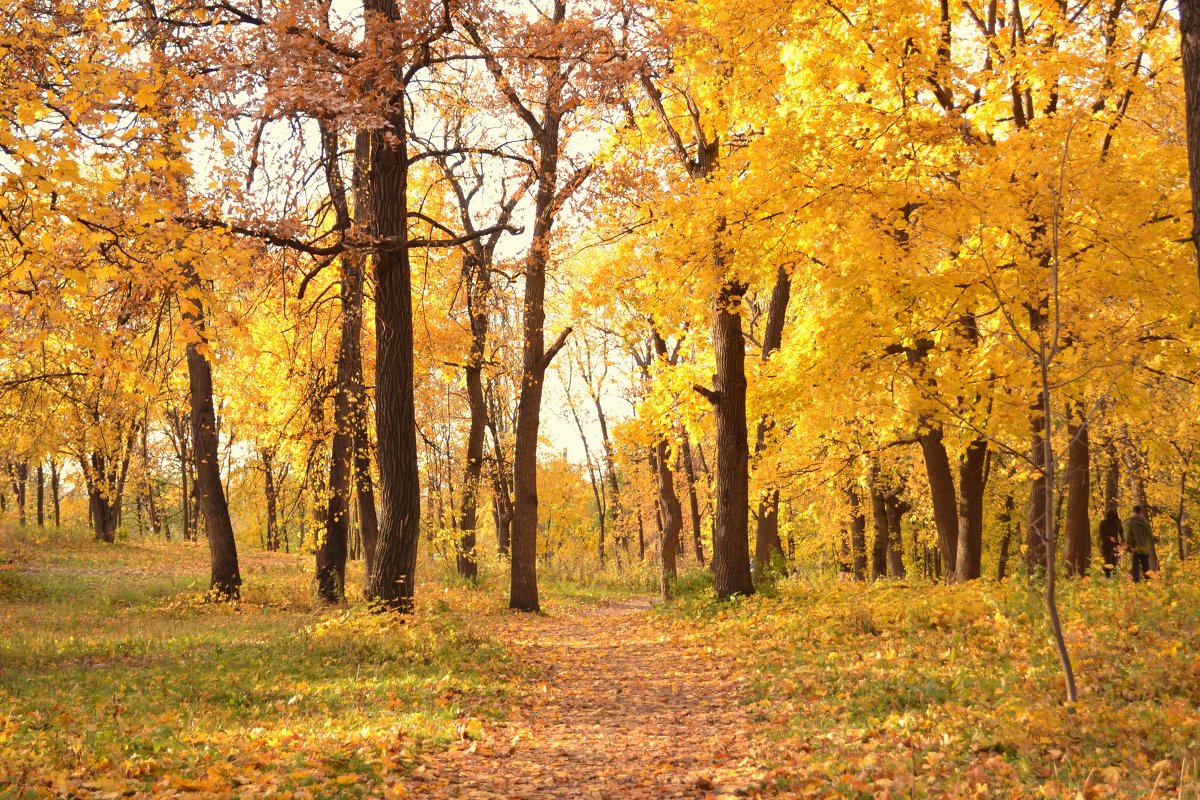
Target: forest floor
<point>117,680</point>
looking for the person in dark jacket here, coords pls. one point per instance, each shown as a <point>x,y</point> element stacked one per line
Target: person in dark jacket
<point>1110,532</point>
<point>1139,538</point>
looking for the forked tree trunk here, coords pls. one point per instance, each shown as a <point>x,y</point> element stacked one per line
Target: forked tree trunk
<point>1078,550</point>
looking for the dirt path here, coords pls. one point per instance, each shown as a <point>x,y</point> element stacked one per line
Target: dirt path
<point>616,708</point>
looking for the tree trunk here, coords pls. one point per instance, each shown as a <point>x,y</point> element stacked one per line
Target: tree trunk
<point>1112,477</point>
<point>41,496</point>
<point>1006,524</point>
<point>271,496</point>
<point>731,546</point>
<point>476,275</point>
<point>672,520</point>
<point>941,488</point>
<point>766,541</point>
<point>641,537</point>
<point>879,548</point>
<point>20,484</point>
<point>535,358</point>
<point>858,535</point>
<point>1189,45</point>
<point>384,205</point>
<point>896,509</point>
<point>1078,529</point>
<point>972,480</point>
<point>693,500</point>
<point>1039,517</point>
<point>55,493</point>
<point>225,579</point>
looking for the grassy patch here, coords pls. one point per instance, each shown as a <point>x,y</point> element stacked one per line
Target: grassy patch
<point>116,677</point>
<point>935,691</point>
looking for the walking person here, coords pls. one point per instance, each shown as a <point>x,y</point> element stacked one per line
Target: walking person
<point>1109,533</point>
<point>1139,539</point>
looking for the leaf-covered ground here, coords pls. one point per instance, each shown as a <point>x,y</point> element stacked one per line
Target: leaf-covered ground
<point>115,680</point>
<point>898,690</point>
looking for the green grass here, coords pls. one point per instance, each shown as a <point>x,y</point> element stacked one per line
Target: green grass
<point>116,676</point>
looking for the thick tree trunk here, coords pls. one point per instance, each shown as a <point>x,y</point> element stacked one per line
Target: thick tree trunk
<point>384,210</point>
<point>225,579</point>
<point>1189,45</point>
<point>1078,529</point>
<point>972,481</point>
<point>941,488</point>
<point>693,500</point>
<point>672,520</point>
<point>767,545</point>
<point>731,546</point>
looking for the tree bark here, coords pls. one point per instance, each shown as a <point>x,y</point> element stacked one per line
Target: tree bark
<point>767,545</point>
<point>225,578</point>
<point>896,509</point>
<point>271,496</point>
<point>693,500</point>
<point>1039,517</point>
<point>1078,550</point>
<point>972,481</point>
<point>55,493</point>
<point>858,535</point>
<point>1112,477</point>
<point>1189,45</point>
<point>731,547</point>
<point>1006,524</point>
<point>879,548</point>
<point>941,488</point>
<point>41,496</point>
<point>672,520</point>
<point>477,277</point>
<point>334,547</point>
<point>393,576</point>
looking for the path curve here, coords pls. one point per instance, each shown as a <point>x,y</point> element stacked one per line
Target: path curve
<point>616,707</point>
